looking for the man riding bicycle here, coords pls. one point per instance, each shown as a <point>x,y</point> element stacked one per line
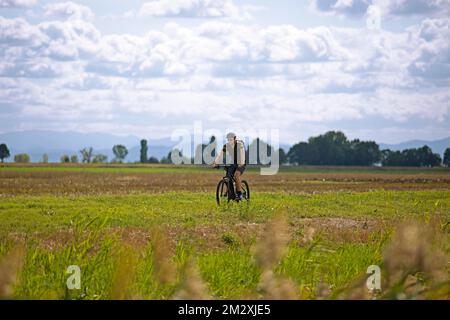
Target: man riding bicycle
<point>235,159</point>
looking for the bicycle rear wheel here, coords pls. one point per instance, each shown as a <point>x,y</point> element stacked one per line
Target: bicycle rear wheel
<point>246,190</point>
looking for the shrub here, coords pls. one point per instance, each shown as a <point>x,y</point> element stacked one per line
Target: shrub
<point>22,158</point>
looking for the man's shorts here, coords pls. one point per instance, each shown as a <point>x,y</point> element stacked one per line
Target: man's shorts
<point>231,169</point>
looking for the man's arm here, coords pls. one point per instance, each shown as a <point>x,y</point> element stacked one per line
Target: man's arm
<point>219,157</point>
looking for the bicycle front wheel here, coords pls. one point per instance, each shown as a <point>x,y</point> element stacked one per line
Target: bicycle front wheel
<point>222,192</point>
<point>246,190</point>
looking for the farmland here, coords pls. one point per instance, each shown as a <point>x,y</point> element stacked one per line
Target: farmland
<point>155,232</point>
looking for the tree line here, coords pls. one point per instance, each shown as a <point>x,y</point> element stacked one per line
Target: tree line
<point>334,148</point>
<point>330,148</point>
<point>86,156</point>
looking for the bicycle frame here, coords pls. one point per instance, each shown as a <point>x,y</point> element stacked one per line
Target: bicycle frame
<point>230,181</point>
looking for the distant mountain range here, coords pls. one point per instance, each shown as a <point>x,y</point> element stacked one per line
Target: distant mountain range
<point>55,144</point>
<point>438,146</point>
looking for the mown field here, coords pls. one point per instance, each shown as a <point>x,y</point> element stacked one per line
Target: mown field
<point>155,232</point>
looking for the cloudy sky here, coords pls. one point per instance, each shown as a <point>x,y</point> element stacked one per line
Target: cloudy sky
<point>375,69</point>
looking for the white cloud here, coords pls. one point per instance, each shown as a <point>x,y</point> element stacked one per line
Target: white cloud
<point>189,8</point>
<point>70,40</point>
<point>414,7</point>
<point>389,8</point>
<point>400,105</point>
<point>338,58</point>
<point>48,49</point>
<point>17,3</point>
<point>353,8</point>
<point>68,10</point>
<point>271,75</point>
<point>18,32</point>
<point>432,59</point>
<point>30,69</point>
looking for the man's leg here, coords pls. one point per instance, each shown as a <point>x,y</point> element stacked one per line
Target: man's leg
<point>237,177</point>
<point>225,188</point>
<point>230,173</point>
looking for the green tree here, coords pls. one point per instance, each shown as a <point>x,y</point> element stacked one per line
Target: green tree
<point>22,158</point>
<point>446,161</point>
<point>86,155</point>
<point>267,150</point>
<point>152,160</point>
<point>283,156</point>
<point>420,157</point>
<point>144,150</point>
<point>100,158</point>
<point>44,158</point>
<point>364,153</point>
<point>165,160</point>
<point>331,148</point>
<point>120,152</point>
<point>426,157</point>
<point>179,157</point>
<point>4,152</point>
<point>298,153</point>
<point>168,159</point>
<point>65,158</point>
<point>74,158</point>
<point>386,154</point>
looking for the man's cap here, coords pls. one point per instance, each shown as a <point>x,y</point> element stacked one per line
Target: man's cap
<point>231,135</point>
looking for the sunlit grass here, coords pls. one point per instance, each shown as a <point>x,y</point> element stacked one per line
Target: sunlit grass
<point>165,245</point>
<point>48,214</point>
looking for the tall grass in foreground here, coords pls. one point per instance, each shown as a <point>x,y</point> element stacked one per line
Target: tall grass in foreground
<point>414,265</point>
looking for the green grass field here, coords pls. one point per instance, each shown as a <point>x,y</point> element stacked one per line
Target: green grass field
<point>155,232</point>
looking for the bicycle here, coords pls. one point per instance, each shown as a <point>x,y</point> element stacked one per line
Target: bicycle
<point>226,189</point>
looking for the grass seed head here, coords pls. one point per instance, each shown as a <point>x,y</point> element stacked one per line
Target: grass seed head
<point>164,266</point>
<point>308,235</point>
<point>273,243</point>
<point>193,286</point>
<point>414,248</point>
<point>276,287</point>
<point>124,274</point>
<point>10,267</point>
